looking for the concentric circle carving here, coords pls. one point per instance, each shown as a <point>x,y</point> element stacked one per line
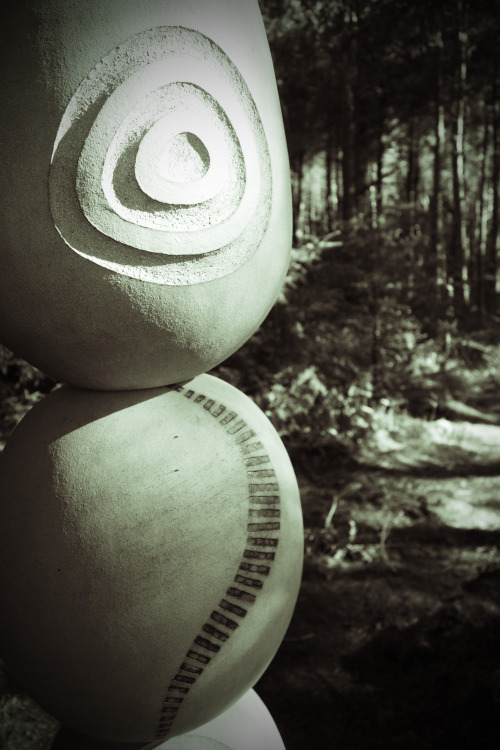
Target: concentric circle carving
<point>161,169</point>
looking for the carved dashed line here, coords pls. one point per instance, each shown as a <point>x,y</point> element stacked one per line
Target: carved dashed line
<point>220,410</point>
<point>263,488</point>
<point>263,570</point>
<point>258,473</point>
<point>251,582</point>
<point>257,541</point>
<point>251,448</point>
<point>198,657</point>
<point>253,554</point>
<point>218,617</point>
<point>239,594</point>
<point>230,607</point>
<point>205,643</point>
<point>189,668</point>
<point>245,436</point>
<point>271,526</point>
<point>264,499</point>
<point>228,418</point>
<point>184,678</point>
<point>236,427</point>
<point>215,633</point>
<point>256,460</point>
<point>261,493</point>
<point>264,512</point>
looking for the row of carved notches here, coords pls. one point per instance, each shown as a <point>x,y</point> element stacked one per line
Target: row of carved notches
<point>260,551</point>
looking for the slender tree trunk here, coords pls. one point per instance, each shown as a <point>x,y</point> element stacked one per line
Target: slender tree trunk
<point>297,196</point>
<point>412,177</point>
<point>348,122</point>
<point>372,191</point>
<point>347,149</point>
<point>328,176</point>
<point>380,164</point>
<point>477,281</point>
<point>492,243</point>
<point>306,225</point>
<point>316,208</point>
<point>459,251</point>
<point>436,261</point>
<point>409,218</point>
<point>339,184</point>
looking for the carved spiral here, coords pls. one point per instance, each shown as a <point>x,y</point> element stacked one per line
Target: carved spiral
<point>160,168</point>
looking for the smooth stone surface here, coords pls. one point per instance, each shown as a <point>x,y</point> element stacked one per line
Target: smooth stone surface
<point>150,555</point>
<point>145,198</point>
<point>247,725</point>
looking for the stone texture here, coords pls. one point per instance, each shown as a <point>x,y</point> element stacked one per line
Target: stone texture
<point>145,196</point>
<point>150,555</point>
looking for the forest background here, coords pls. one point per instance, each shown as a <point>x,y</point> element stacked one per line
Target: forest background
<point>380,367</point>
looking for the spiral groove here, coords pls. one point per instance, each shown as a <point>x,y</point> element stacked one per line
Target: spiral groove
<point>160,169</point>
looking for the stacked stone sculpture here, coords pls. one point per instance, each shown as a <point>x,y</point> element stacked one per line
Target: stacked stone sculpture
<point>150,524</point>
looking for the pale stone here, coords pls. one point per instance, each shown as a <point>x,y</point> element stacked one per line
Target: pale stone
<point>150,555</point>
<point>145,190</point>
<point>157,85</point>
<point>247,725</point>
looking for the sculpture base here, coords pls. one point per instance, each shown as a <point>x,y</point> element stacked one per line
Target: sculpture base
<point>247,725</point>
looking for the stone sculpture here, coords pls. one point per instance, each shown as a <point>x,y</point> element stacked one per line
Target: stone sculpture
<point>150,531</point>
<point>164,236</point>
<point>166,529</point>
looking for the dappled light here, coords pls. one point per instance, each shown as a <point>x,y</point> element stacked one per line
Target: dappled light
<point>380,368</point>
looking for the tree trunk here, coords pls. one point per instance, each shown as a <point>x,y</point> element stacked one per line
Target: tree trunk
<point>328,177</point>
<point>348,122</point>
<point>380,163</point>
<point>298,170</point>
<point>459,251</point>
<point>436,261</point>
<point>477,281</point>
<point>412,176</point>
<point>347,149</point>
<point>490,264</point>
<point>359,156</point>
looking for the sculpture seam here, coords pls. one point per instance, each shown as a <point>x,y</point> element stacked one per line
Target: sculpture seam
<point>254,567</point>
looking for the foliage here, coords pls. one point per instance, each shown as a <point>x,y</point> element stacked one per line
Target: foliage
<point>21,386</point>
<point>354,343</point>
<point>393,107</point>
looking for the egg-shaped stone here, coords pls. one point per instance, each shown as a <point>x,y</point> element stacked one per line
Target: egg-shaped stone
<point>150,555</point>
<point>145,189</point>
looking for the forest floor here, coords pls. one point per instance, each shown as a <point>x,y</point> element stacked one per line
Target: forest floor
<point>395,640</point>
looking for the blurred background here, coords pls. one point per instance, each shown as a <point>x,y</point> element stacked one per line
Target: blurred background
<point>380,367</point>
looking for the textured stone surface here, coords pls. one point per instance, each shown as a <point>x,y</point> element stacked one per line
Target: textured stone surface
<point>150,555</point>
<point>145,196</point>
